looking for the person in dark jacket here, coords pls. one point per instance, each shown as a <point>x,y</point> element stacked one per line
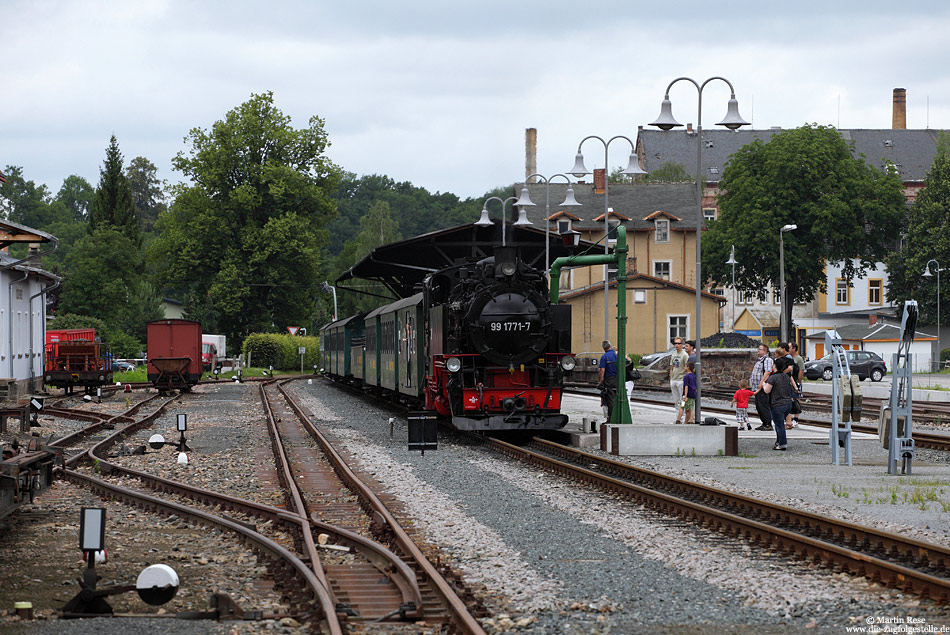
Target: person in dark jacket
<point>781,389</point>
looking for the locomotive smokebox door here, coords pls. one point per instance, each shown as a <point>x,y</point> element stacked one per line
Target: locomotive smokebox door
<point>423,431</point>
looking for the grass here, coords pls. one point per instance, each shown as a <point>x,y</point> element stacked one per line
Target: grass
<point>921,493</point>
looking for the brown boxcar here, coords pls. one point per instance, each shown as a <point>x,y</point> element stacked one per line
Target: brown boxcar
<point>174,353</point>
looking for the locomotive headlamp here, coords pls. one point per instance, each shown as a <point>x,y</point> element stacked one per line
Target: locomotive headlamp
<point>508,268</point>
<point>568,362</point>
<point>453,364</point>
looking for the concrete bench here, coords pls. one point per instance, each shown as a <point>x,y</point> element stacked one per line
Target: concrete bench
<point>669,440</point>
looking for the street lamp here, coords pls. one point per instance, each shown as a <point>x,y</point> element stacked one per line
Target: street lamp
<point>522,202</point>
<point>328,288</point>
<point>732,261</point>
<point>632,169</point>
<point>781,275</point>
<point>666,121</point>
<point>927,274</point>
<point>569,201</point>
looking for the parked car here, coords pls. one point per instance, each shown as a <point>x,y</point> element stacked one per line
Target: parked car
<point>646,360</point>
<point>120,366</point>
<point>864,364</point>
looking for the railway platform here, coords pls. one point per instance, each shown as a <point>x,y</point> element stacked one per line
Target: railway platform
<point>804,475</point>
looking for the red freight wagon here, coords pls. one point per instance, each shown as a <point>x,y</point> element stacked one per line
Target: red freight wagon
<point>174,353</point>
<point>55,336</point>
<point>74,358</point>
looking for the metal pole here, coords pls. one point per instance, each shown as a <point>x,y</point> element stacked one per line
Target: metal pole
<point>733,288</point>
<point>781,269</point>
<point>699,226</point>
<point>938,316</point>
<point>607,245</point>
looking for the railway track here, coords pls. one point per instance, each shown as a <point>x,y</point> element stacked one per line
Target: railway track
<point>356,579</point>
<point>903,563</point>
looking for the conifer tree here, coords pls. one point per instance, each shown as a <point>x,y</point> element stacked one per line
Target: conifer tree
<point>114,203</point>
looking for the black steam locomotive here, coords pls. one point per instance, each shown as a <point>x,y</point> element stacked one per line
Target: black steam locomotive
<point>480,344</point>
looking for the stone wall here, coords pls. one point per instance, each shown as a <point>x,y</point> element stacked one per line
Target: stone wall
<point>722,367</point>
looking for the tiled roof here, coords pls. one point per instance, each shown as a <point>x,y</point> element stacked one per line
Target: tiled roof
<point>866,333</point>
<point>912,150</point>
<point>633,201</point>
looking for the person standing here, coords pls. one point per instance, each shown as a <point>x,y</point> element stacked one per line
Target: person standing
<point>761,370</point>
<point>607,376</point>
<point>677,369</point>
<point>781,389</point>
<point>800,366</point>
<point>689,392</point>
<point>690,347</point>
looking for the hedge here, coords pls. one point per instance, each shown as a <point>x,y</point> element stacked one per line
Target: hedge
<point>280,351</point>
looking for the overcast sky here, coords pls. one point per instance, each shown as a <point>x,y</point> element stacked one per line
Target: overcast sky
<point>439,93</point>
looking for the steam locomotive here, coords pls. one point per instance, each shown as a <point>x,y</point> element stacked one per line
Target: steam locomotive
<point>480,345</point>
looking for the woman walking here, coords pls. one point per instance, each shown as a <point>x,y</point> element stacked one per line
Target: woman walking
<point>781,388</point>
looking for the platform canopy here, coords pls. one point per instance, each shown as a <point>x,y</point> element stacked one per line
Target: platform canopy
<point>402,265</point>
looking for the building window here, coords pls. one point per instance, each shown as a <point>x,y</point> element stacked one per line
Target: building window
<point>720,292</point>
<point>743,297</point>
<point>639,296</point>
<point>563,225</point>
<point>841,291</point>
<point>662,269</point>
<point>777,296</point>
<point>709,213</point>
<point>678,326</point>
<point>875,291</point>
<point>612,230</point>
<point>611,272</point>
<point>662,230</point>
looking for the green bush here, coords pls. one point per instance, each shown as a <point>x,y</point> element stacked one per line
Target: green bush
<point>944,355</point>
<point>280,351</point>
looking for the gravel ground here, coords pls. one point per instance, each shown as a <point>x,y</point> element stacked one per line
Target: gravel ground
<point>544,555</point>
<point>555,556</point>
<point>226,435</point>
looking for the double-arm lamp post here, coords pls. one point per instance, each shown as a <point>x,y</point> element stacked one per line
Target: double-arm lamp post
<point>579,170</point>
<point>569,201</point>
<point>666,121</point>
<point>927,274</point>
<point>522,202</point>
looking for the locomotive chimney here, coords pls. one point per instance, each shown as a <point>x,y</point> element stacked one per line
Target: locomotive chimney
<point>530,153</point>
<point>899,112</point>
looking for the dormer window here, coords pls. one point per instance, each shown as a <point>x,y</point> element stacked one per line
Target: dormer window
<point>563,225</point>
<point>662,226</point>
<point>612,226</point>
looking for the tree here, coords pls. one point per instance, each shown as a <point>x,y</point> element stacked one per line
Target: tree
<point>847,213</point>
<point>146,191</point>
<point>927,238</point>
<point>242,243</point>
<point>77,195</point>
<point>27,203</point>
<point>114,204</point>
<point>102,281</point>
<point>377,228</point>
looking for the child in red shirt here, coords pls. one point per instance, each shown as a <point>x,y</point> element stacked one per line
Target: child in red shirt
<point>741,402</point>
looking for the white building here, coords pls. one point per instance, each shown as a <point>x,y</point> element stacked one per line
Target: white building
<point>23,288</point>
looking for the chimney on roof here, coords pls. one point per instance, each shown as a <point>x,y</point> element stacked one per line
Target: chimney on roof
<point>899,116</point>
<point>689,128</point>
<point>600,180</point>
<point>531,153</point>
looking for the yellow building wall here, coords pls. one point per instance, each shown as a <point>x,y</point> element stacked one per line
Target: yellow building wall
<point>680,251</point>
<point>647,322</point>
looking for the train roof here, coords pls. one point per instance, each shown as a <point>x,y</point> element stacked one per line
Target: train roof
<point>402,265</point>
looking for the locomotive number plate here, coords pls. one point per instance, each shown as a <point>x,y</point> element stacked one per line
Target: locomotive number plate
<point>509,327</point>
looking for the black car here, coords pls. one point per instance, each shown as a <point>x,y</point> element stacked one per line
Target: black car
<point>864,364</point>
<point>120,366</point>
